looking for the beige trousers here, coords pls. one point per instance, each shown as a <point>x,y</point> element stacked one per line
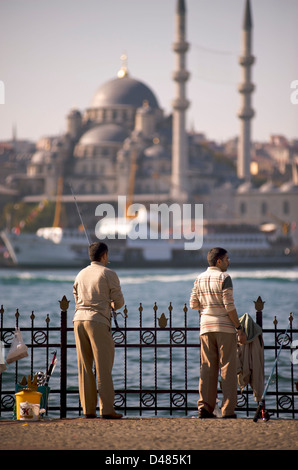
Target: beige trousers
<point>95,344</point>
<point>218,353</point>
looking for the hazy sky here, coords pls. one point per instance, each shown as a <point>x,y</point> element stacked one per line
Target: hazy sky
<point>55,54</point>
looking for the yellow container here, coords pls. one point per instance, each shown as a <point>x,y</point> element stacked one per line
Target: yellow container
<point>28,405</point>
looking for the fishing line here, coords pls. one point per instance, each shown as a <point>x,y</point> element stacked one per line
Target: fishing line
<point>261,404</point>
<point>78,210</point>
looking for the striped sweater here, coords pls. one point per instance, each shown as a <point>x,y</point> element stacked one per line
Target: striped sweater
<point>212,296</point>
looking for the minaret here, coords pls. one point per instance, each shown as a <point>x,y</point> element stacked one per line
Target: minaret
<point>14,133</point>
<point>246,88</point>
<point>180,104</point>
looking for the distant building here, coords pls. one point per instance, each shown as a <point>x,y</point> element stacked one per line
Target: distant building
<point>124,144</point>
<point>277,207</point>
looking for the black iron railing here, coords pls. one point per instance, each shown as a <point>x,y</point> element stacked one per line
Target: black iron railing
<point>156,369</point>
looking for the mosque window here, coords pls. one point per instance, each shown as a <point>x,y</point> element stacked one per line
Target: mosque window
<point>264,208</point>
<point>286,207</point>
<point>242,208</point>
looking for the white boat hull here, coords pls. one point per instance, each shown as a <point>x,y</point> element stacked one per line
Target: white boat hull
<point>30,249</point>
<point>69,248</point>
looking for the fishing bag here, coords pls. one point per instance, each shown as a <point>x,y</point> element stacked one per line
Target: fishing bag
<point>18,348</point>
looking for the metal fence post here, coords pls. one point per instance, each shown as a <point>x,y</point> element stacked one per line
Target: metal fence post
<point>64,303</point>
<point>259,305</point>
<point>153,397</point>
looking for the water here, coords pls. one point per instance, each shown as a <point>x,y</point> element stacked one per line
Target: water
<point>40,291</point>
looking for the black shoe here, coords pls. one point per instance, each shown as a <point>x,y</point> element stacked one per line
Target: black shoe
<point>204,414</point>
<point>230,416</point>
<point>90,416</point>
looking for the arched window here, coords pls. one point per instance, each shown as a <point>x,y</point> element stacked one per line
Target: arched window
<point>242,207</point>
<point>263,208</point>
<point>286,207</point>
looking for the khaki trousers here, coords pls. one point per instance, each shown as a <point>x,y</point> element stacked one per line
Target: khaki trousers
<point>218,353</point>
<point>94,344</point>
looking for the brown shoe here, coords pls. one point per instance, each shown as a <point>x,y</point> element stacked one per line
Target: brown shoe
<point>204,414</point>
<point>112,416</point>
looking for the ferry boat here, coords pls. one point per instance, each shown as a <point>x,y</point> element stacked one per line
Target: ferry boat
<point>67,248</point>
<point>49,246</point>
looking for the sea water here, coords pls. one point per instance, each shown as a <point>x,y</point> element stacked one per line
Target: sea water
<point>40,290</point>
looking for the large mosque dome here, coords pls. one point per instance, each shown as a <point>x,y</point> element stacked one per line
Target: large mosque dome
<point>124,91</point>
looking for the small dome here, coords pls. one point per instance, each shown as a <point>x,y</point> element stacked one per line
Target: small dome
<point>266,187</point>
<point>125,91</point>
<point>145,108</point>
<point>104,133</point>
<point>156,151</point>
<point>74,113</point>
<point>244,187</point>
<point>288,187</point>
<point>41,156</point>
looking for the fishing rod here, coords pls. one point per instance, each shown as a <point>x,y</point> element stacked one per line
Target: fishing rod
<point>51,368</point>
<point>78,210</point>
<point>114,315</point>
<point>261,405</point>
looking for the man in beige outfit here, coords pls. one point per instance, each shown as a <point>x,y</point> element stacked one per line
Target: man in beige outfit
<point>96,290</point>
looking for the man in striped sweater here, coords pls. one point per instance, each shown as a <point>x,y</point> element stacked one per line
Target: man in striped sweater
<point>212,296</point>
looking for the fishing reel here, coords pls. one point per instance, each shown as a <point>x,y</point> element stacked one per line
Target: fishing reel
<point>262,413</point>
<point>114,315</point>
<point>265,415</point>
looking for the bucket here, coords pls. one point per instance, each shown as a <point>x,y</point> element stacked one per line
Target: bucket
<point>28,405</point>
<point>43,389</point>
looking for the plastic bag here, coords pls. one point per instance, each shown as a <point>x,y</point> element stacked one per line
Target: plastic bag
<point>18,348</point>
<point>2,360</point>
<point>29,411</point>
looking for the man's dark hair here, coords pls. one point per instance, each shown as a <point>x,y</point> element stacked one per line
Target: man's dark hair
<point>97,250</point>
<point>214,254</point>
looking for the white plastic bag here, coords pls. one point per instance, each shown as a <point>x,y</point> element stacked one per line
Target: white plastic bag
<point>18,348</point>
<point>2,360</point>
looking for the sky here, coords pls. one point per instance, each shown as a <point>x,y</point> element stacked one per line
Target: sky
<point>55,54</point>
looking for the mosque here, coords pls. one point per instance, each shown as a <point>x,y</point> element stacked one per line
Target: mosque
<point>124,144</point>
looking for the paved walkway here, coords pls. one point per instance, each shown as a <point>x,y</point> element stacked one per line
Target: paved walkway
<point>137,433</point>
